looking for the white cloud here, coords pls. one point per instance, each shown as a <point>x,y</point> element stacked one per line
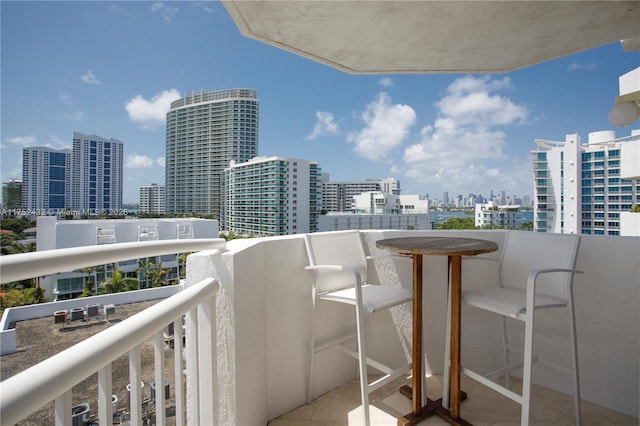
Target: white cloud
<point>464,149</point>
<point>575,66</point>
<point>89,78</point>
<point>23,141</point>
<point>58,143</point>
<point>151,113</point>
<point>167,12</point>
<point>386,127</point>
<point>75,116</point>
<point>385,82</point>
<point>64,97</point>
<point>325,125</point>
<point>205,6</point>
<point>135,161</point>
<point>470,102</point>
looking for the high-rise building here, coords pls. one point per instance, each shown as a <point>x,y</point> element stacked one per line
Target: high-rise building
<point>272,196</point>
<point>579,188</point>
<point>152,198</point>
<point>46,178</point>
<point>338,196</point>
<point>205,132</point>
<point>96,174</point>
<point>12,194</point>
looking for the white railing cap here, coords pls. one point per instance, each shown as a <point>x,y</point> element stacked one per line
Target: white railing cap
<point>21,266</point>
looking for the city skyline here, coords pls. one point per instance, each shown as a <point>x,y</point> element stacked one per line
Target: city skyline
<point>435,133</point>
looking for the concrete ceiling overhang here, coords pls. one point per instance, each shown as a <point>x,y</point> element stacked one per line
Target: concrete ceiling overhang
<point>380,37</point>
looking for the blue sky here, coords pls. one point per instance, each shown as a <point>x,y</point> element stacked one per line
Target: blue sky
<point>112,68</point>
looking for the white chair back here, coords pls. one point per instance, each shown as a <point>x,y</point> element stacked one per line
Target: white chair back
<point>527,251</point>
<point>336,248</point>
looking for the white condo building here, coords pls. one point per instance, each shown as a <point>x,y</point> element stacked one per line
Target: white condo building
<point>380,210</point>
<point>96,174</point>
<point>579,188</point>
<point>205,132</point>
<point>268,196</point>
<point>152,198</point>
<point>492,214</point>
<point>338,196</point>
<point>54,234</point>
<point>379,202</point>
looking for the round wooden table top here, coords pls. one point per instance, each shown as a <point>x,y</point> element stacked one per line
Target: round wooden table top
<point>446,246</point>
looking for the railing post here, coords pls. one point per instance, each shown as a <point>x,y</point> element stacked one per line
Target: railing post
<point>178,371</point>
<point>63,409</point>
<point>159,379</point>
<point>191,337</point>
<point>135,394</point>
<point>207,362</point>
<point>105,412</point>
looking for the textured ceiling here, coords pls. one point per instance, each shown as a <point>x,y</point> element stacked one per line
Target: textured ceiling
<point>380,37</point>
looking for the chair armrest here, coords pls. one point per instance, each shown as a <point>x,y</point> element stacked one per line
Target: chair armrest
<point>534,273</point>
<point>531,283</point>
<point>339,268</point>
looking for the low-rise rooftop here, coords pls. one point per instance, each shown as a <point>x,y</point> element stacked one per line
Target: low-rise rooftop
<point>39,339</point>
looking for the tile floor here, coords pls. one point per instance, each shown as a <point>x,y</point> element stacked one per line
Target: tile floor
<point>483,407</point>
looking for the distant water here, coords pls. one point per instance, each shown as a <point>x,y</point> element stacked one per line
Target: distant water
<point>439,217</point>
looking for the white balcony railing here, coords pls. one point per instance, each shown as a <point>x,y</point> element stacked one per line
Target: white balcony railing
<point>54,378</point>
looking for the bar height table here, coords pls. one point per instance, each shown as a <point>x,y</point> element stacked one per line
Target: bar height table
<point>454,249</point>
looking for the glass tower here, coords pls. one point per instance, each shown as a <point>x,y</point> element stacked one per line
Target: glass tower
<point>96,173</point>
<point>46,178</point>
<point>205,132</point>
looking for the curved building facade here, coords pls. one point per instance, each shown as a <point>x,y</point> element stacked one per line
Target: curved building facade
<point>205,132</point>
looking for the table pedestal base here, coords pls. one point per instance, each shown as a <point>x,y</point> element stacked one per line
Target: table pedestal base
<point>432,407</point>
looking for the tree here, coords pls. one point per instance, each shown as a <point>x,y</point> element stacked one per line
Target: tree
<point>182,265</point>
<point>158,277</point>
<point>118,283</point>
<point>527,226</point>
<point>151,273</point>
<point>17,225</point>
<point>458,223</point>
<point>90,287</point>
<point>28,296</point>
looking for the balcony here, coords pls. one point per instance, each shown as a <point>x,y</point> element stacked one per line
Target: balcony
<point>251,370</point>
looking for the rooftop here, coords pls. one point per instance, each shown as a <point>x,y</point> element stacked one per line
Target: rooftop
<point>39,339</point>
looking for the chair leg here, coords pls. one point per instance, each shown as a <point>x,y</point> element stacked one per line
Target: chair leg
<point>362,362</point>
<point>505,349</point>
<point>447,353</point>
<point>575,364</point>
<point>526,373</point>
<point>312,350</point>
